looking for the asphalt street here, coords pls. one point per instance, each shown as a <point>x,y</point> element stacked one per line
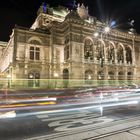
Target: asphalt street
<point>25,126</point>
<point>65,114</point>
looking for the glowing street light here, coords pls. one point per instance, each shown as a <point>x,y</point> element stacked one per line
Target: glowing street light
<point>56,76</point>
<point>9,78</point>
<point>89,77</point>
<point>107,29</point>
<point>96,34</point>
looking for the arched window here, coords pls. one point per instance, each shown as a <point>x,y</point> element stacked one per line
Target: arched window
<point>129,75</point>
<point>66,52</point>
<point>128,55</point>
<point>100,50</point>
<point>88,49</point>
<point>120,55</point>
<point>34,53</point>
<point>120,75</point>
<point>111,53</point>
<point>35,42</point>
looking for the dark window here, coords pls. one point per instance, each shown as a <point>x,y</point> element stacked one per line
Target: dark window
<point>31,55</point>
<point>66,52</point>
<point>34,53</point>
<point>37,55</point>
<point>88,49</point>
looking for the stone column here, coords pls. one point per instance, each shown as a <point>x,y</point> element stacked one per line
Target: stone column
<point>124,54</point>
<point>82,52</point>
<point>95,75</point>
<point>27,53</point>
<point>133,52</point>
<point>116,76</point>
<point>115,51</point>
<point>125,74</point>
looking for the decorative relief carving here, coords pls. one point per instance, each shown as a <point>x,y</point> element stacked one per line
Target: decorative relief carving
<point>77,50</point>
<point>46,21</point>
<point>76,38</point>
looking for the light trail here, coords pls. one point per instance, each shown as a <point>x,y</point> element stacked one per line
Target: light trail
<point>78,108</point>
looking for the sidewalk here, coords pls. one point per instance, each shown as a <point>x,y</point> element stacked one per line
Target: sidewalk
<point>129,135</point>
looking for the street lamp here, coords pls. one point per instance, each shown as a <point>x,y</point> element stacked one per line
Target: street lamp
<point>132,32</point>
<point>32,79</point>
<point>96,34</point>
<point>89,77</point>
<point>107,29</point>
<point>9,78</point>
<point>56,76</point>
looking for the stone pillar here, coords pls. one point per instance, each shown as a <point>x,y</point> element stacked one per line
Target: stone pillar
<point>133,52</point>
<point>116,61</point>
<point>116,76</point>
<point>82,52</point>
<point>95,75</point>
<point>27,53</point>
<point>125,74</point>
<point>106,75</point>
<point>124,54</point>
<point>105,56</point>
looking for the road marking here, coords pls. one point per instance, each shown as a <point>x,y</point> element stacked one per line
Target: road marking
<point>70,117</point>
<point>41,116</point>
<point>74,124</point>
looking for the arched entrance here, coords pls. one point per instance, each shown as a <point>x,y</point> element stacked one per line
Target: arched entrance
<point>111,77</point>
<point>121,77</point>
<point>65,77</point>
<point>129,76</point>
<point>88,77</point>
<point>34,79</point>
<point>100,78</point>
<point>100,75</point>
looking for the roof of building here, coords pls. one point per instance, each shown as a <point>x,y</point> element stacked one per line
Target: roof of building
<point>73,15</point>
<point>3,44</point>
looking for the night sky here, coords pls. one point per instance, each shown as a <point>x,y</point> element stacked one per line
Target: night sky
<point>23,12</point>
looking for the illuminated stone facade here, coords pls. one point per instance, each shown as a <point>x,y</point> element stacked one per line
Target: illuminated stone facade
<point>61,44</point>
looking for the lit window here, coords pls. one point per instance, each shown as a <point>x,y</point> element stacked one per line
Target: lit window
<point>34,53</point>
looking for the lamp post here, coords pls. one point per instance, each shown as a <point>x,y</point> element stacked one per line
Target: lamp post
<point>89,79</point>
<point>96,34</point>
<point>132,32</point>
<point>105,30</point>
<point>32,80</point>
<point>56,76</point>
